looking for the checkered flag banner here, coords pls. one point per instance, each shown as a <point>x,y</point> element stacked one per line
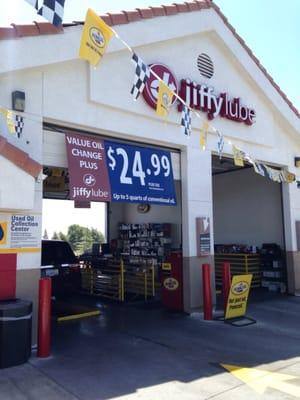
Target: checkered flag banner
<point>220,144</point>
<point>33,3</point>
<point>53,11</point>
<point>186,121</point>
<point>19,125</point>
<point>142,73</point>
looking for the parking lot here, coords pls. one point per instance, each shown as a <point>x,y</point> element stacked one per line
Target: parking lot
<point>143,352</point>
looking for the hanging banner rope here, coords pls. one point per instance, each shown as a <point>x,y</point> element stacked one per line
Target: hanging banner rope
<point>95,38</point>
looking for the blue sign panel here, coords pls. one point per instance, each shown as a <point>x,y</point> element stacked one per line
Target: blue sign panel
<point>139,174</point>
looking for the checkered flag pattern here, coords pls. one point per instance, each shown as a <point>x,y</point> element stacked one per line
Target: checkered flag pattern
<point>53,11</point>
<point>33,3</point>
<point>19,125</point>
<point>186,121</point>
<point>142,73</point>
<point>220,144</point>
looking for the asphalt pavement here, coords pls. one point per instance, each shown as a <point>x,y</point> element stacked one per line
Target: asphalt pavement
<point>144,352</point>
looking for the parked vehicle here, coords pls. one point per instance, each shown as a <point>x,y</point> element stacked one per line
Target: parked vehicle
<point>61,264</point>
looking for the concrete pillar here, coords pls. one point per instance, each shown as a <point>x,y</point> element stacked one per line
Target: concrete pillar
<point>291,212</point>
<point>196,171</point>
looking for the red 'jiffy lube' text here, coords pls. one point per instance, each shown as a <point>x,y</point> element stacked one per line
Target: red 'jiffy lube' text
<point>203,98</point>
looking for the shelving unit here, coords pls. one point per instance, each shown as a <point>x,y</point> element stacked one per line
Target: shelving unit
<point>145,244</point>
<point>273,268</point>
<point>239,264</point>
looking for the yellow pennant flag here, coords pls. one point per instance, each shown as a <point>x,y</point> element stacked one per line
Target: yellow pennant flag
<point>164,101</point>
<point>237,156</point>
<point>95,37</point>
<point>10,122</point>
<point>203,134</point>
<point>288,177</point>
<point>9,117</point>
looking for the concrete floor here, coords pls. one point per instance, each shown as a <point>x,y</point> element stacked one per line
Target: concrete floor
<point>146,353</point>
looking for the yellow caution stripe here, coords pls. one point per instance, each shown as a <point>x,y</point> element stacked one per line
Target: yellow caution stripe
<point>20,250</point>
<point>78,316</point>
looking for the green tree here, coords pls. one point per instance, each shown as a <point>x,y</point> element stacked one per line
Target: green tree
<point>55,236</point>
<point>82,238</point>
<point>97,236</point>
<point>75,237</point>
<point>62,236</point>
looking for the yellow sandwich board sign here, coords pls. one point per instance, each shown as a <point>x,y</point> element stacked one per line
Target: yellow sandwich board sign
<point>238,296</point>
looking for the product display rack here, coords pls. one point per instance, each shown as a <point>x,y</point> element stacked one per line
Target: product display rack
<point>144,244</point>
<point>240,264</point>
<point>273,268</point>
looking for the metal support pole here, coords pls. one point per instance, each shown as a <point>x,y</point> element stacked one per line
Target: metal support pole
<point>44,317</point>
<point>207,296</point>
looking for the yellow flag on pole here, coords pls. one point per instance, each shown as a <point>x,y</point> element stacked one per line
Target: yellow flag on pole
<point>9,118</point>
<point>287,176</point>
<point>203,134</point>
<point>10,122</point>
<point>95,37</point>
<point>164,101</point>
<point>237,156</point>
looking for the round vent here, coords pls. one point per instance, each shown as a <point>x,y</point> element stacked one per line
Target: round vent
<point>205,65</point>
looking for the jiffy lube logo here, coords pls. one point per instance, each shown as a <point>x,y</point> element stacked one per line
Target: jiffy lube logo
<point>240,288</point>
<point>97,37</point>
<point>3,232</point>
<point>150,92</point>
<point>198,96</point>
<point>171,283</point>
<point>89,180</point>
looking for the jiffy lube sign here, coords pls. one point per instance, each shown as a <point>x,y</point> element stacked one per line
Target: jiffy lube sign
<point>87,168</point>
<point>110,171</point>
<point>199,97</point>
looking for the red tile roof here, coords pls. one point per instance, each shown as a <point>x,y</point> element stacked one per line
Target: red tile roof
<point>19,158</point>
<point>126,17</point>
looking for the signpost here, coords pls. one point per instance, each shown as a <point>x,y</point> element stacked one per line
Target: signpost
<point>237,300</point>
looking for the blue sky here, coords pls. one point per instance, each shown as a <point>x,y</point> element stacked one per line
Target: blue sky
<point>271,29</point>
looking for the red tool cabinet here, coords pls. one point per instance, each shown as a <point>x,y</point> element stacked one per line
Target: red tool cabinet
<point>172,282</point>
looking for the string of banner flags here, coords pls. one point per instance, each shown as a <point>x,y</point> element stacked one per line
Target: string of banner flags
<point>53,10</point>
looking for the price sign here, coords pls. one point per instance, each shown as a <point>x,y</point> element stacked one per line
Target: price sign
<point>140,174</point>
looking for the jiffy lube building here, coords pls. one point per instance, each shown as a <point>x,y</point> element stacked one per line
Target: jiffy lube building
<point>226,190</point>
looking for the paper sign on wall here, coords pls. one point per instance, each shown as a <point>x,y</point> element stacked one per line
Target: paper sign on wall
<point>20,231</point>
<point>203,236</point>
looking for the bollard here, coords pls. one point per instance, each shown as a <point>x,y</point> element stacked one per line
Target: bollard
<point>207,297</point>
<point>226,283</point>
<point>44,317</point>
